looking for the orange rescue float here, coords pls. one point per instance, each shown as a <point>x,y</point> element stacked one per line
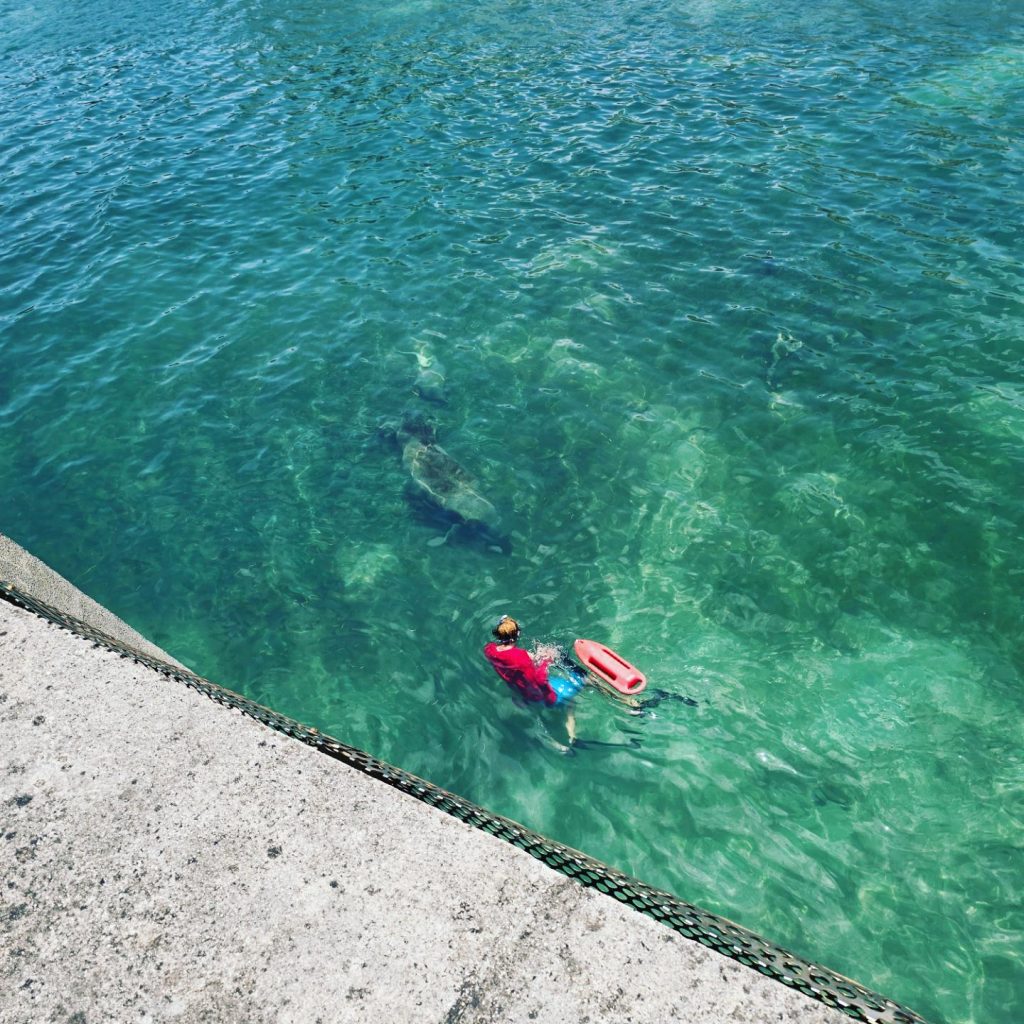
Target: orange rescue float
<point>610,668</point>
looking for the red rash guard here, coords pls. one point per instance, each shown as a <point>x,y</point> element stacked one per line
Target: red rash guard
<point>516,667</point>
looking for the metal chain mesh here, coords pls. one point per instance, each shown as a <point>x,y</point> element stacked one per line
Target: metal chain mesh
<point>709,929</point>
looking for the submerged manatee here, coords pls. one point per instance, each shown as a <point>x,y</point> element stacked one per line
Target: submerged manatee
<point>439,481</point>
<point>430,382</point>
<point>430,385</point>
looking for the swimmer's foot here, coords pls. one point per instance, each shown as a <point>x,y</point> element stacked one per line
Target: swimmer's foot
<point>560,748</point>
<point>658,696</point>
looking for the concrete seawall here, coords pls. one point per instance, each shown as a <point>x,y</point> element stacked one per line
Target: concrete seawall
<point>167,859</point>
<point>30,575</point>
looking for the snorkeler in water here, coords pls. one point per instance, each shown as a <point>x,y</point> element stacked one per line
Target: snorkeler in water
<point>547,681</point>
<point>551,677</point>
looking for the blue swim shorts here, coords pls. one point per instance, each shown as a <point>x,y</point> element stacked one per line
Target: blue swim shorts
<point>565,682</point>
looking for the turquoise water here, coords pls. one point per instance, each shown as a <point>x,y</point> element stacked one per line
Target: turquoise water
<point>720,304</point>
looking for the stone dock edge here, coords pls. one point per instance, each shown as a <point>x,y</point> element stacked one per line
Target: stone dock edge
<point>700,968</point>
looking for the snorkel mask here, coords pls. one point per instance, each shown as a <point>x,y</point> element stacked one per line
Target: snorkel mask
<point>497,629</point>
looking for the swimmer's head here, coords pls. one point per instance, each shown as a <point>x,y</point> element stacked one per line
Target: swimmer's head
<point>507,630</point>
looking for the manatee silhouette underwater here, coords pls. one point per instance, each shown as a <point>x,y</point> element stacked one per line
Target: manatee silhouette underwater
<point>442,492</point>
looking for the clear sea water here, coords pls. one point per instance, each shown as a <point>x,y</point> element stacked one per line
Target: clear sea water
<point>720,304</point>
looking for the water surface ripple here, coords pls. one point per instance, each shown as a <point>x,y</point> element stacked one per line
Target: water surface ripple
<point>720,304</point>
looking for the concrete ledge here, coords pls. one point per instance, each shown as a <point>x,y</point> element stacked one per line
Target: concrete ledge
<point>166,859</point>
<point>30,575</point>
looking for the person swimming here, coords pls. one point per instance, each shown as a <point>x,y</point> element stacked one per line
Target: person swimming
<point>547,681</point>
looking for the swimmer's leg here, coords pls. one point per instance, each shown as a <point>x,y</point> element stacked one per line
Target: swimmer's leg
<point>549,740</point>
<point>570,724</point>
<point>658,696</point>
<point>621,698</point>
<point>570,666</point>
